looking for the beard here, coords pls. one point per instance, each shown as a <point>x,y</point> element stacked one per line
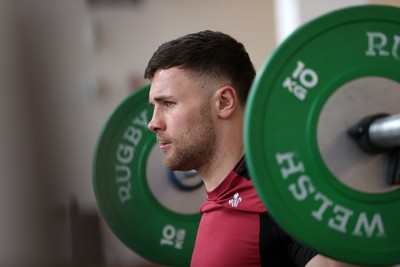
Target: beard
<point>196,146</point>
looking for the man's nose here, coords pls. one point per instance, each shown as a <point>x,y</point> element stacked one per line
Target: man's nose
<point>155,124</point>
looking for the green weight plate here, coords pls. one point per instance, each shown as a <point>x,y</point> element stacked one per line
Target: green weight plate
<point>281,121</point>
<point>122,190</point>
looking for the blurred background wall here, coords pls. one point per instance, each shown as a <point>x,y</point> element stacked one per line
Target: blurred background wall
<point>64,66</point>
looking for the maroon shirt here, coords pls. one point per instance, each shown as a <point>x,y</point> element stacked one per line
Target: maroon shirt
<point>235,229</point>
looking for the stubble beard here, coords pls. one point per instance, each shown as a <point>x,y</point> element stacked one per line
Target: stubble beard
<point>196,147</point>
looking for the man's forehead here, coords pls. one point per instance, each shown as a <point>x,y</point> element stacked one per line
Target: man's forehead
<point>169,81</point>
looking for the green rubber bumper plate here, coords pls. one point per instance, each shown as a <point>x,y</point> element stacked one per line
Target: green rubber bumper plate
<point>123,194</point>
<point>281,120</point>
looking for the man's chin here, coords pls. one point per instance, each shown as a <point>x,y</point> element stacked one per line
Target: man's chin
<point>176,167</point>
<point>170,166</point>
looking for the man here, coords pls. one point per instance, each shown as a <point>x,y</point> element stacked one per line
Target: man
<point>199,85</point>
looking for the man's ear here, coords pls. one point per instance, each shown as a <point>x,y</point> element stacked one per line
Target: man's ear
<point>227,101</point>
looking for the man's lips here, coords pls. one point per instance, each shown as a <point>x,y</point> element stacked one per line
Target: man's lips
<point>164,144</point>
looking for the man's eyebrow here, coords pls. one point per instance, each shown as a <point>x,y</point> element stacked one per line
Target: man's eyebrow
<point>159,99</point>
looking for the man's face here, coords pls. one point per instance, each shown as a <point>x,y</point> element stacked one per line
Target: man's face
<point>182,119</point>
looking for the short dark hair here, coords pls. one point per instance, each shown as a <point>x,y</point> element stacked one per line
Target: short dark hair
<point>210,54</point>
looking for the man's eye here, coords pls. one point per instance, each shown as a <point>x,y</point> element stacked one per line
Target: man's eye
<point>168,104</point>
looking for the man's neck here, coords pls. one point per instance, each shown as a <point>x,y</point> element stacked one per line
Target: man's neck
<point>219,167</point>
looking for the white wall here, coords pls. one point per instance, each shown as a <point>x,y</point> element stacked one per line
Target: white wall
<point>22,204</point>
<point>290,14</point>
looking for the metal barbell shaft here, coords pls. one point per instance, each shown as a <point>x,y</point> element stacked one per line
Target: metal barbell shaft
<point>385,132</point>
